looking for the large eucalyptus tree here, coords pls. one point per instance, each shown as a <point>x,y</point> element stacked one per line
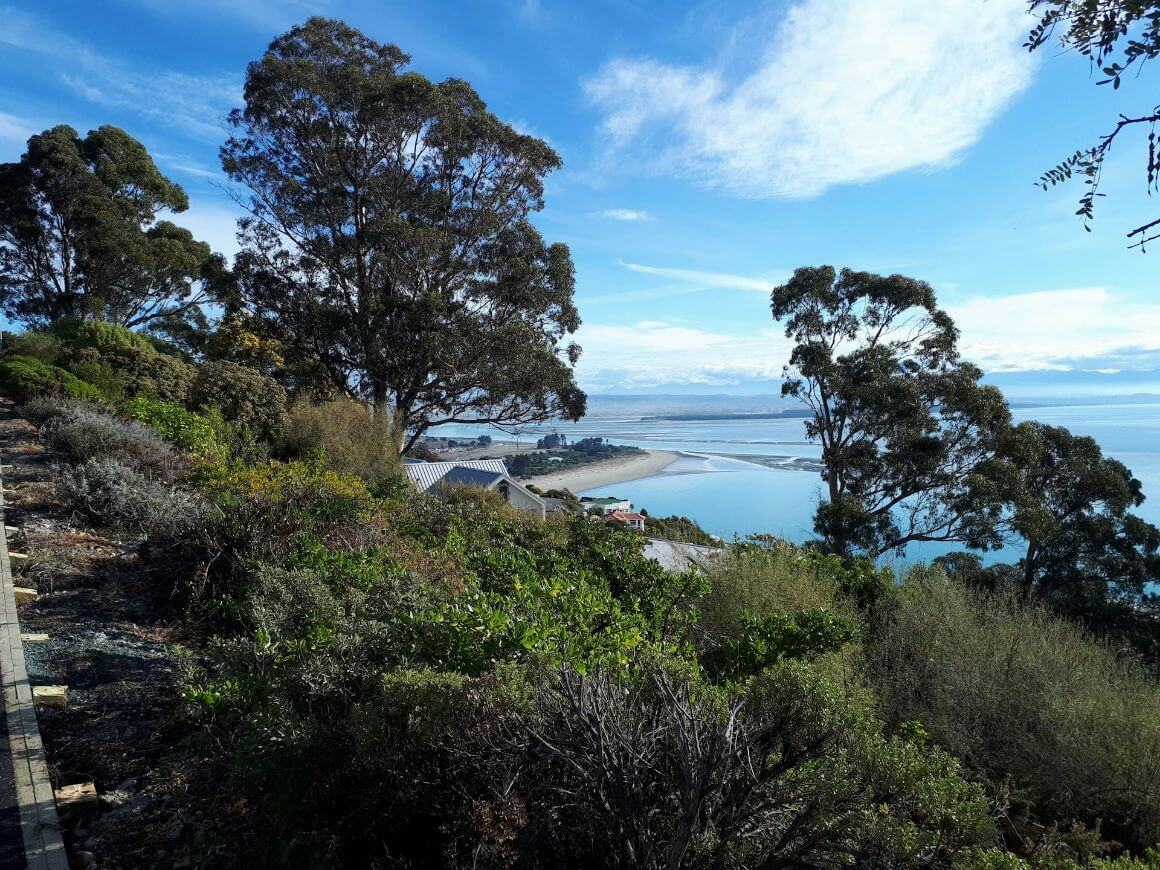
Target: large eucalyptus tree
<point>388,235</point>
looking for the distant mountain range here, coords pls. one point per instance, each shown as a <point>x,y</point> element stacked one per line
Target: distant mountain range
<point>755,399</point>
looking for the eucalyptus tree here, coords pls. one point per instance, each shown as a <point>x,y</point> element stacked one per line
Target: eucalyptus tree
<point>80,234</point>
<point>905,426</point>
<point>388,235</point>
<point>1082,545</point>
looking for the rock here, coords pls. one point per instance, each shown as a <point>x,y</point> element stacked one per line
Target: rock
<point>86,859</point>
<point>115,799</point>
<point>173,832</point>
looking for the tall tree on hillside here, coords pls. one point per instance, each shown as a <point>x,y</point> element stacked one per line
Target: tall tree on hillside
<point>388,235</point>
<point>80,238</point>
<point>904,424</point>
<point>1118,37</point>
<point>1081,542</point>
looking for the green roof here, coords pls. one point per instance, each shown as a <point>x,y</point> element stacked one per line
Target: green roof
<point>608,499</point>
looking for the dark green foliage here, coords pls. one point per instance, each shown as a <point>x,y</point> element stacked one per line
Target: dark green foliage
<point>128,371</point>
<point>905,427</point>
<point>419,283</point>
<point>1084,549</point>
<point>1018,693</point>
<point>661,771</point>
<point>43,346</point>
<point>243,395</point>
<point>99,335</point>
<point>23,378</point>
<point>681,529</point>
<point>80,239</point>
<point>762,641</point>
<point>553,461</point>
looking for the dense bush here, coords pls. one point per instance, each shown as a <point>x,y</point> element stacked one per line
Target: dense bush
<point>115,494</point>
<point>41,409</point>
<point>345,435</point>
<point>243,395</point>
<point>268,508</point>
<point>83,433</point>
<point>1018,693</point>
<point>43,346</point>
<point>99,335</point>
<point>680,529</point>
<point>23,378</point>
<point>172,421</point>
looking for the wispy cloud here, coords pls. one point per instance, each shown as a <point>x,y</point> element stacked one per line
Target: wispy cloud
<point>1083,328</point>
<point>264,14</point>
<point>1070,330</point>
<point>626,214</point>
<point>844,92</point>
<point>14,128</point>
<point>708,280</point>
<point>193,104</point>
<point>654,353</point>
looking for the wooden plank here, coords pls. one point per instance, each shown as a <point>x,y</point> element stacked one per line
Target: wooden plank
<point>39,822</point>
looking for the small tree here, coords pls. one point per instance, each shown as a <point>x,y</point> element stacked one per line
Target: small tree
<point>388,235</point>
<point>904,424</point>
<point>79,235</point>
<point>1074,516</point>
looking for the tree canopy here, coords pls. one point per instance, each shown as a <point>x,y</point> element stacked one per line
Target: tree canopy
<point>1117,36</point>
<point>388,235</point>
<point>905,427</point>
<point>80,236</point>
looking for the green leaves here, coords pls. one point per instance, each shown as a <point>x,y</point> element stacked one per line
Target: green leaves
<point>79,236</point>
<point>389,238</point>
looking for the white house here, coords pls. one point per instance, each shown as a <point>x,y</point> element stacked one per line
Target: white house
<point>607,504</point>
<point>486,473</point>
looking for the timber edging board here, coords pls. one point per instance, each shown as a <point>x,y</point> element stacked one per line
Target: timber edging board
<point>39,824</point>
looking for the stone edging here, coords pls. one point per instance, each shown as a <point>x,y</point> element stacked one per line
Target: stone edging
<point>39,824</point>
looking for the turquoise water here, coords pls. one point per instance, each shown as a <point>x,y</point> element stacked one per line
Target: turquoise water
<point>732,497</point>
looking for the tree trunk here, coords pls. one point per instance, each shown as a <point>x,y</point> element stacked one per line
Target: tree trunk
<point>1029,572</point>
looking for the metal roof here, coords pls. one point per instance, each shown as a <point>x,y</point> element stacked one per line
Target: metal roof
<point>472,476</point>
<point>426,474</point>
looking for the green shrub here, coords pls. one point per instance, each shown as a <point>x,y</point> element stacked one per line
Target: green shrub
<point>1018,693</point>
<point>113,493</point>
<point>187,430</point>
<point>243,395</point>
<point>99,335</point>
<point>347,437</point>
<point>759,642</point>
<point>23,378</point>
<point>151,373</point>
<point>43,346</point>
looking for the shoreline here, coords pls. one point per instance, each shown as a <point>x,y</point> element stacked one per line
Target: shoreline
<point>607,473</point>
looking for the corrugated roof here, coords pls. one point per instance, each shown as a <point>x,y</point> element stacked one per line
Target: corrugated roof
<point>426,474</point>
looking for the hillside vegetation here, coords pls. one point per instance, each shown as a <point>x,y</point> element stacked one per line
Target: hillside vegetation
<point>382,671</point>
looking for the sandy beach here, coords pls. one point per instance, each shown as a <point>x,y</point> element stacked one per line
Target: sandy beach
<point>607,473</point>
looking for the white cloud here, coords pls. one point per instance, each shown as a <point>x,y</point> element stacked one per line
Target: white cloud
<point>626,214</point>
<point>654,353</point>
<point>1070,330</point>
<point>1067,329</point>
<point>709,280</point>
<point>844,91</point>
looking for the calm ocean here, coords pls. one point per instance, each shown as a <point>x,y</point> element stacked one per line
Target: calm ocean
<point>733,497</point>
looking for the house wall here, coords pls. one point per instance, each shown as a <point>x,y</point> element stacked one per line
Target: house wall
<point>519,497</point>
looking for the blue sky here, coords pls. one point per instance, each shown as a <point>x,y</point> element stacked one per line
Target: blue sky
<point>709,150</point>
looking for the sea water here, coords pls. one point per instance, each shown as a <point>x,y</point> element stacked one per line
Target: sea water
<point>732,497</point>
